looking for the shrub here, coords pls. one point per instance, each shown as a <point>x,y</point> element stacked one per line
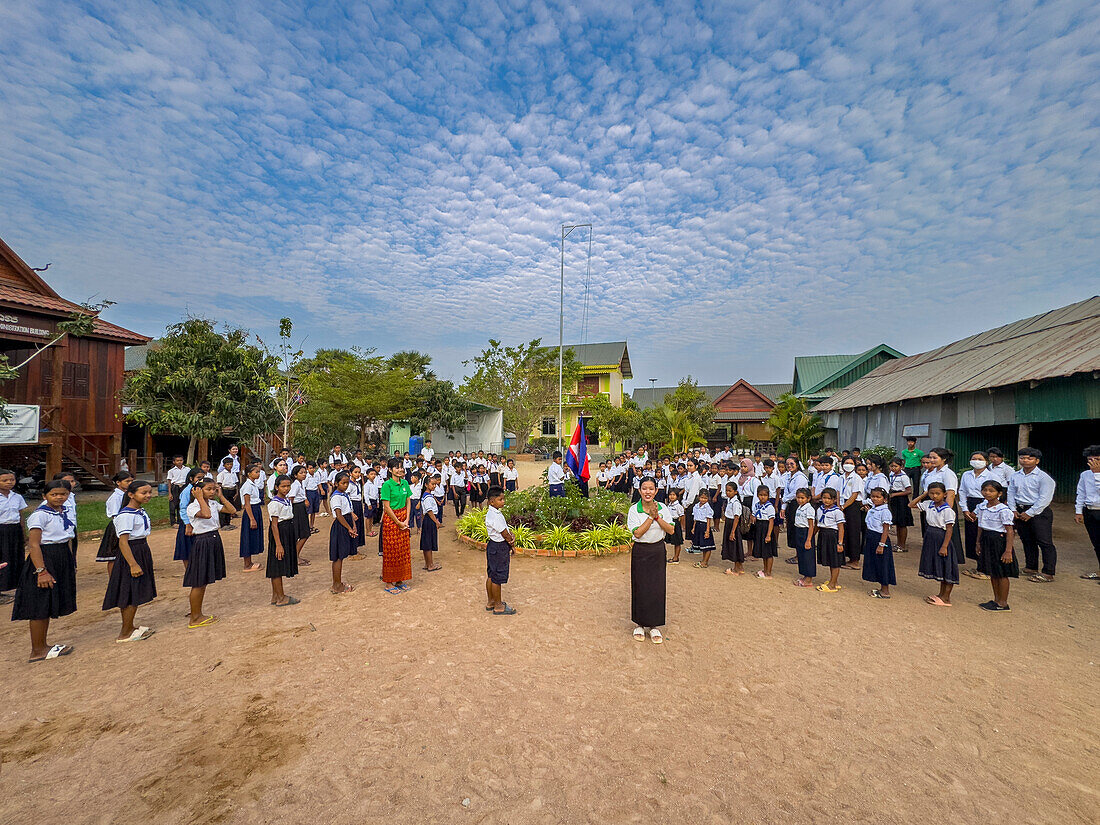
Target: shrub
<point>559,538</point>
<point>580,524</point>
<point>524,536</point>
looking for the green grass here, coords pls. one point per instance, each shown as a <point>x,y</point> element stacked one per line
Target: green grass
<point>91,515</point>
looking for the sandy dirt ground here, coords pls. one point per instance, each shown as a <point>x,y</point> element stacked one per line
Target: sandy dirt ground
<point>768,703</point>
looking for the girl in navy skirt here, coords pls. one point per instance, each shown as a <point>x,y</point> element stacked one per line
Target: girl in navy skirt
<point>802,525</point>
<point>282,544</point>
<point>996,557</point>
<point>12,541</point>
<point>764,540</point>
<point>108,544</point>
<point>900,490</point>
<point>355,493</point>
<point>702,534</point>
<point>131,583</point>
<point>312,485</point>
<point>207,563</point>
<point>429,533</point>
<point>511,476</point>
<point>184,536</point>
<point>830,539</point>
<point>878,555</point>
<point>677,537</point>
<point>47,583</point>
<point>937,561</point>
<point>342,534</point>
<point>302,528</point>
<point>252,522</point>
<point>732,548</point>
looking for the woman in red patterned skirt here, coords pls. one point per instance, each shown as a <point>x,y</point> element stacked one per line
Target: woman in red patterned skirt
<point>396,557</point>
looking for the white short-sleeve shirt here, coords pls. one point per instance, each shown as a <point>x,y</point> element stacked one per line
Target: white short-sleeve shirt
<point>199,526</point>
<point>280,509</point>
<point>495,523</point>
<point>12,505</point>
<point>52,524</point>
<point>996,519</point>
<point>636,517</point>
<point>937,515</point>
<point>132,523</point>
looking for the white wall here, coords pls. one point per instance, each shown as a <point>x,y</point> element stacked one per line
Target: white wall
<point>484,431</point>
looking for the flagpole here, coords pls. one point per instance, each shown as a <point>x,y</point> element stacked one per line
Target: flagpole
<point>565,230</point>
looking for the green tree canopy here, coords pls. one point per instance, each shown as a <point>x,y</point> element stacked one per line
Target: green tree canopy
<point>623,425</point>
<point>200,382</point>
<point>693,402</point>
<point>355,389</point>
<point>794,428</point>
<point>522,381</point>
<point>438,406</point>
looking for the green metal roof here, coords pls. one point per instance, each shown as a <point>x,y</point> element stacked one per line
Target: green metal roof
<point>814,372</point>
<point>603,355</point>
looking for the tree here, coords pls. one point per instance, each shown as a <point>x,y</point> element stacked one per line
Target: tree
<point>621,425</point>
<point>79,322</point>
<point>286,394</point>
<point>693,402</point>
<point>414,363</point>
<point>199,383</point>
<point>794,428</point>
<point>438,407</point>
<point>358,389</point>
<point>522,381</point>
<point>676,428</point>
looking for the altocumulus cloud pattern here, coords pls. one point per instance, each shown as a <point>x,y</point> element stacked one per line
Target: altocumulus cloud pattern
<point>766,180</point>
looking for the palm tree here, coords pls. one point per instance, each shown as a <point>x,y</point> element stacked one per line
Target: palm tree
<point>676,425</point>
<point>794,427</point>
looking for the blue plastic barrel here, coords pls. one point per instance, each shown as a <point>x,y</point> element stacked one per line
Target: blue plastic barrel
<point>416,444</point>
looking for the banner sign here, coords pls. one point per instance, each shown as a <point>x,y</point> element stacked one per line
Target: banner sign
<point>21,426</point>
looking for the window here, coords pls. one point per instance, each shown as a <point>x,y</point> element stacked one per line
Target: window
<point>74,380</point>
<point>588,385</point>
<point>549,426</point>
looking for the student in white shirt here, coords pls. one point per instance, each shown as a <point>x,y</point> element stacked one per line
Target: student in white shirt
<point>429,532</point>
<point>970,496</point>
<point>996,556</point>
<point>937,561</point>
<point>939,460</point>
<point>47,584</point>
<point>511,477</point>
<point>252,526</point>
<point>371,502</point>
<point>555,476</point>
<point>427,451</point>
<point>458,486</point>
<point>12,541</point>
<point>497,555</point>
<point>207,563</point>
<point>130,583</point>
<point>282,542</point>
<point>878,555</point>
<point>177,478</point>
<point>802,526</point>
<point>108,542</point>
<point>733,550</point>
<point>650,522</point>
<point>851,502</point>
<point>1030,493</point>
<point>1087,502</point>
<point>830,538</point>
<point>228,480</point>
<point>999,467</point>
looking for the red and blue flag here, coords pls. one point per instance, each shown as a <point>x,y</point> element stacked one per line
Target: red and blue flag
<point>576,459</point>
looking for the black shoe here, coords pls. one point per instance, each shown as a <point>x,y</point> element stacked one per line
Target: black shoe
<point>994,606</point>
<point>792,560</point>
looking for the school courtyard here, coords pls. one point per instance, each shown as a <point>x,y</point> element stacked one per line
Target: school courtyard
<point>767,703</point>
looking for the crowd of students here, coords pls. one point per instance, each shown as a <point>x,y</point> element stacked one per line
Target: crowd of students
<point>840,511</point>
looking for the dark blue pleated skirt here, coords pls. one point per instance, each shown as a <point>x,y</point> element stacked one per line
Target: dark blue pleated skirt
<point>252,540</point>
<point>878,567</point>
<point>183,544</point>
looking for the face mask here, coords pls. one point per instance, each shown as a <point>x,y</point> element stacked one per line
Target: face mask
<point>977,464</point>
<point>849,468</point>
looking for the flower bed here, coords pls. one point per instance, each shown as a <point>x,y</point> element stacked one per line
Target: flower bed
<point>567,526</point>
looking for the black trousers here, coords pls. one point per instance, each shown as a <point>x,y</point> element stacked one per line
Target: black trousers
<point>174,491</point>
<point>914,480</point>
<point>459,497</point>
<point>1092,527</point>
<point>1037,536</point>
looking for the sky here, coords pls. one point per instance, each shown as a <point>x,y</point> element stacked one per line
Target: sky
<point>763,180</point>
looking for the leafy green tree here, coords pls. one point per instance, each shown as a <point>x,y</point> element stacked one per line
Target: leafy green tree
<point>357,389</point>
<point>621,425</point>
<point>438,406</point>
<point>522,381</point>
<point>676,428</point>
<point>794,428</point>
<point>287,392</point>
<point>414,363</point>
<point>693,403</point>
<point>79,322</point>
<point>199,383</point>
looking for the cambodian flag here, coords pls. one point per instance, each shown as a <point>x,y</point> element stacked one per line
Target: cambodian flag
<point>577,457</point>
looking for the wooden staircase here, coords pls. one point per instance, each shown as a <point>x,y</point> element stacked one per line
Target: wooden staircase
<point>91,466</point>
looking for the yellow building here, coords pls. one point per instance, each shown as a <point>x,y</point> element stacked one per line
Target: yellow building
<point>604,367</point>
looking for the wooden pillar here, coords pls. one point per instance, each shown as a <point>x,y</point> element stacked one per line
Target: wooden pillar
<point>114,450</point>
<point>1023,437</point>
<point>54,451</point>
<point>132,461</point>
<point>158,467</point>
<point>202,452</point>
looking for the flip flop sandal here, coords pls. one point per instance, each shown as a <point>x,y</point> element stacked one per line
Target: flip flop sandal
<point>697,564</point>
<point>209,620</point>
<point>936,601</point>
<point>1039,579</point>
<point>289,601</point>
<point>974,574</point>
<point>878,594</point>
<point>54,652</point>
<point>253,568</point>
<point>792,560</point>
<point>140,634</point>
<point>1090,576</point>
<point>434,569</point>
<point>507,611</point>
<point>760,574</point>
<point>656,637</point>
<point>639,634</point>
<point>394,590</point>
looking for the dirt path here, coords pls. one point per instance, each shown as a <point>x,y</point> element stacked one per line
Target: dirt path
<point>768,703</point>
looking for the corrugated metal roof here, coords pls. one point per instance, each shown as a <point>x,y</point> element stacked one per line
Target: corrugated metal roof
<point>603,354</point>
<point>1061,342</point>
<point>760,415</point>
<point>811,370</point>
<point>646,397</point>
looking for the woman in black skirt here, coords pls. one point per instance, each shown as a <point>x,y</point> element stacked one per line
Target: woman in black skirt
<point>355,493</point>
<point>131,581</point>
<point>342,534</point>
<point>650,522</point>
<point>207,554</point>
<point>282,545</point>
<point>13,544</point>
<point>47,583</point>
<point>429,528</point>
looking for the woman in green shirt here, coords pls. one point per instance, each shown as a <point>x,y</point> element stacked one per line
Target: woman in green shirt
<point>396,556</point>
